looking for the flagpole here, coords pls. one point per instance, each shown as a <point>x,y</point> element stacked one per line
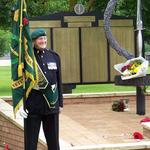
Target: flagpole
<point>21,68</point>
<point>20,37</point>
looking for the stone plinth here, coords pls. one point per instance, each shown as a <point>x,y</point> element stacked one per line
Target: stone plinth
<point>141,81</point>
<point>146,129</point>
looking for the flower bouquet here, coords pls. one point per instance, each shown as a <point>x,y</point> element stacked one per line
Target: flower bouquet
<point>133,68</point>
<point>118,105</point>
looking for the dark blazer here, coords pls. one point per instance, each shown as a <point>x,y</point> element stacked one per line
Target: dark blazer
<point>49,62</point>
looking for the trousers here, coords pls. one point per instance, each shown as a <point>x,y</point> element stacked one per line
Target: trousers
<point>50,127</point>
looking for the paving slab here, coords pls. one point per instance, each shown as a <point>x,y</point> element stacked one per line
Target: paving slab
<point>94,124</point>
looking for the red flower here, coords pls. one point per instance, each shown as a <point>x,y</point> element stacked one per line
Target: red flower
<point>121,106</point>
<point>126,67</point>
<point>129,66</point>
<point>6,147</point>
<point>123,68</point>
<point>137,135</point>
<point>146,119</point>
<point>25,21</point>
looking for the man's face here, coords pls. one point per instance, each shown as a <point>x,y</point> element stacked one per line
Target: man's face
<point>40,42</point>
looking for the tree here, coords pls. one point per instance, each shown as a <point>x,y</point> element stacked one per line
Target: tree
<point>43,7</point>
<point>5,38</point>
<point>128,8</point>
<point>146,18</point>
<point>5,12</point>
<point>72,4</point>
<point>90,4</point>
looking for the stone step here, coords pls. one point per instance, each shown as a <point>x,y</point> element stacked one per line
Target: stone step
<point>14,127</point>
<point>10,126</point>
<point>1,148</point>
<point>123,146</point>
<point>146,129</point>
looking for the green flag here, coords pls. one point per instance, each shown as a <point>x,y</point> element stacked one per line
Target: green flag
<point>23,62</point>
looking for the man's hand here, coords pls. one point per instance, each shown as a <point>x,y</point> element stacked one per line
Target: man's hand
<point>23,113</point>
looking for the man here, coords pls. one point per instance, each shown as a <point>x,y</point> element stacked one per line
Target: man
<point>45,101</point>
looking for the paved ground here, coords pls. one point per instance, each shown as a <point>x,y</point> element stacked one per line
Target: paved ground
<point>90,124</point>
<point>93,124</point>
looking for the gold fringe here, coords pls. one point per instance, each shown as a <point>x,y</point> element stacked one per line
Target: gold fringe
<point>20,70</point>
<point>36,70</point>
<point>25,6</point>
<point>17,84</point>
<point>16,15</point>
<point>17,107</point>
<point>14,52</point>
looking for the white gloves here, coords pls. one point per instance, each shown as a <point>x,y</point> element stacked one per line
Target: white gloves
<point>23,113</point>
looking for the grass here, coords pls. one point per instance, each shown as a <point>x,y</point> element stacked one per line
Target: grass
<point>5,81</point>
<point>95,88</point>
<point>5,85</point>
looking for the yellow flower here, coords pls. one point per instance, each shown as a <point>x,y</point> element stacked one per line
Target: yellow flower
<point>136,70</point>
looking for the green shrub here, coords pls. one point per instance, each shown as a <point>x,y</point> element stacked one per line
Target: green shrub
<point>5,39</point>
<point>147,47</point>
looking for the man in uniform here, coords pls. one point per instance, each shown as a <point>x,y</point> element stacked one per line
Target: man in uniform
<point>45,101</point>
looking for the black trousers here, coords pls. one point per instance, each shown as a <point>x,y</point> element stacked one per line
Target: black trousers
<point>50,128</point>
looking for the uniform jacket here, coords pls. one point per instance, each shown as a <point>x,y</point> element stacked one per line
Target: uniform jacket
<point>49,62</point>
